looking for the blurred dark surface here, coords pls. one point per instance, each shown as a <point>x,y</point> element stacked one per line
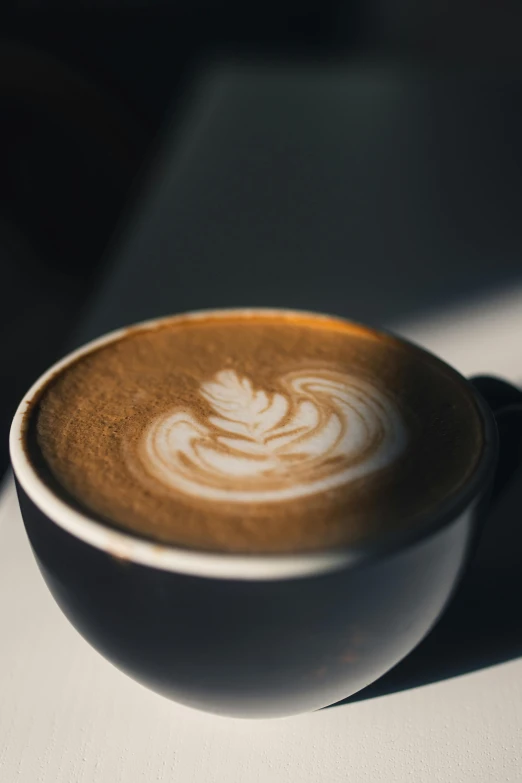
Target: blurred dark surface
<point>300,157</point>
<point>369,190</point>
<point>292,154</point>
<point>68,156</point>
<point>83,95</point>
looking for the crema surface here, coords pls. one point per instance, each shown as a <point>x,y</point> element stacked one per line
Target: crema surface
<point>257,432</point>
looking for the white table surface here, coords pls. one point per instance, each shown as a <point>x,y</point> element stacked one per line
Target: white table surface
<point>68,716</point>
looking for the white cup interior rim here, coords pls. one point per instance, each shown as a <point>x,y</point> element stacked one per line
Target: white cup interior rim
<point>127,546</point>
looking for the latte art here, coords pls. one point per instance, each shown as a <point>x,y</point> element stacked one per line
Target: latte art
<point>323,429</point>
<point>253,431</point>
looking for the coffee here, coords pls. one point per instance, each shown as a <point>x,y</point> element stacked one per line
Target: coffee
<point>256,431</point>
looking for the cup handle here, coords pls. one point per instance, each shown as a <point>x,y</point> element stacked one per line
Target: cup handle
<point>505,402</point>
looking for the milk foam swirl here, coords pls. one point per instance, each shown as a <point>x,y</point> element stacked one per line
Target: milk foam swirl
<point>322,430</point>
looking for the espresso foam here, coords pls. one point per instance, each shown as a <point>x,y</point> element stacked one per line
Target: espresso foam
<point>266,432</point>
<point>321,431</point>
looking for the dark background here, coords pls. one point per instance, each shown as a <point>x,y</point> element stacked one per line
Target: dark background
<point>84,91</point>
<point>320,149</point>
<point>359,158</point>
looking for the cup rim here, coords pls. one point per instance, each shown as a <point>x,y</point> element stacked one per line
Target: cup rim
<point>129,546</point>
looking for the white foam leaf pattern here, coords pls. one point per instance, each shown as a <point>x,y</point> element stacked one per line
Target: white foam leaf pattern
<point>249,411</point>
<point>322,430</point>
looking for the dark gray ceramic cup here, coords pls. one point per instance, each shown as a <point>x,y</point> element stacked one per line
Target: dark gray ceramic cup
<point>264,635</point>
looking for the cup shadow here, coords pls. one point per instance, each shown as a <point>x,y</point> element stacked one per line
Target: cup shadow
<point>482,626</point>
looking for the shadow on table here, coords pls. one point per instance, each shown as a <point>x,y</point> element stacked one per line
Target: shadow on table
<point>483,624</point>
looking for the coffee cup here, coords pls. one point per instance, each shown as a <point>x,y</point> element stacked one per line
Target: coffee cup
<point>259,634</point>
